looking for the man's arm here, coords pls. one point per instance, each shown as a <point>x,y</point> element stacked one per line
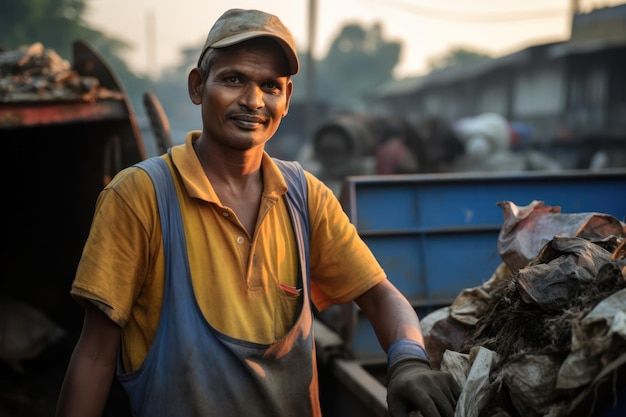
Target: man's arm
<point>412,384</point>
<point>91,367</point>
<point>391,314</point>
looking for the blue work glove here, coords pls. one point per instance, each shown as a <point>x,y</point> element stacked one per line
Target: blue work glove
<point>414,386</point>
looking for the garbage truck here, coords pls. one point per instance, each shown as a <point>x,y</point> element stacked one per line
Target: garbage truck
<point>67,128</point>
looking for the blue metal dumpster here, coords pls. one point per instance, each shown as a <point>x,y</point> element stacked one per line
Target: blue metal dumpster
<point>437,234</point>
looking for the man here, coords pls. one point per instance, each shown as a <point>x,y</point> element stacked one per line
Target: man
<point>205,271</point>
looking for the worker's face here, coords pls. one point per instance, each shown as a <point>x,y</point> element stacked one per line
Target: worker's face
<point>246,94</point>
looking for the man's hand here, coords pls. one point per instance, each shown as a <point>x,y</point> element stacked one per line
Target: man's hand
<point>414,386</point>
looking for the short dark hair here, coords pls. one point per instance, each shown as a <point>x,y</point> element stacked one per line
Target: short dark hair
<point>207,62</point>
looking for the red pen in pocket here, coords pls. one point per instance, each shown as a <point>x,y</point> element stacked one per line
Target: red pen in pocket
<point>289,289</point>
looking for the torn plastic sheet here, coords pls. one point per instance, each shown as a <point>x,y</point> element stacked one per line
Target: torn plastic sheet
<point>594,343</point>
<point>526,229</point>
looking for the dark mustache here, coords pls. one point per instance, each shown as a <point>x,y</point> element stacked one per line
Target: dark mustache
<point>255,116</point>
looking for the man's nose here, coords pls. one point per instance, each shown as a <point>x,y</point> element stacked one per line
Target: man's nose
<point>252,97</point>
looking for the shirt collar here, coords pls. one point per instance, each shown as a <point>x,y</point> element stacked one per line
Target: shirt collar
<point>197,184</point>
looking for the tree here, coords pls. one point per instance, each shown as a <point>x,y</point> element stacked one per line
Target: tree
<point>55,23</point>
<point>454,57</point>
<point>358,61</point>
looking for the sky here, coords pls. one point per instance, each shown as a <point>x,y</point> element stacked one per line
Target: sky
<point>158,29</point>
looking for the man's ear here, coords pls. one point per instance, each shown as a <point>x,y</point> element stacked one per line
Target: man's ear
<point>195,84</point>
<point>289,91</point>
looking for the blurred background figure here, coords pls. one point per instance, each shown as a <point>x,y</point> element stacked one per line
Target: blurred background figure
<point>437,145</point>
<point>608,157</point>
<point>394,152</point>
<point>488,140</point>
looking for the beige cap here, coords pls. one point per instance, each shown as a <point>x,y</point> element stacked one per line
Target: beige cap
<point>238,25</point>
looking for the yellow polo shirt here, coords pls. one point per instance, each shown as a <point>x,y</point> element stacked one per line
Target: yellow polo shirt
<point>238,280</point>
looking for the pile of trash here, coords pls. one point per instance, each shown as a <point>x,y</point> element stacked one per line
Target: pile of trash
<point>545,336</point>
<point>34,72</point>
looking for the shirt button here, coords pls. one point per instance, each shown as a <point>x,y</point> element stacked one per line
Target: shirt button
<point>240,240</point>
<point>225,214</point>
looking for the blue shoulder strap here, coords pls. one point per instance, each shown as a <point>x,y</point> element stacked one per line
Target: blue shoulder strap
<point>297,201</point>
<point>172,229</point>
